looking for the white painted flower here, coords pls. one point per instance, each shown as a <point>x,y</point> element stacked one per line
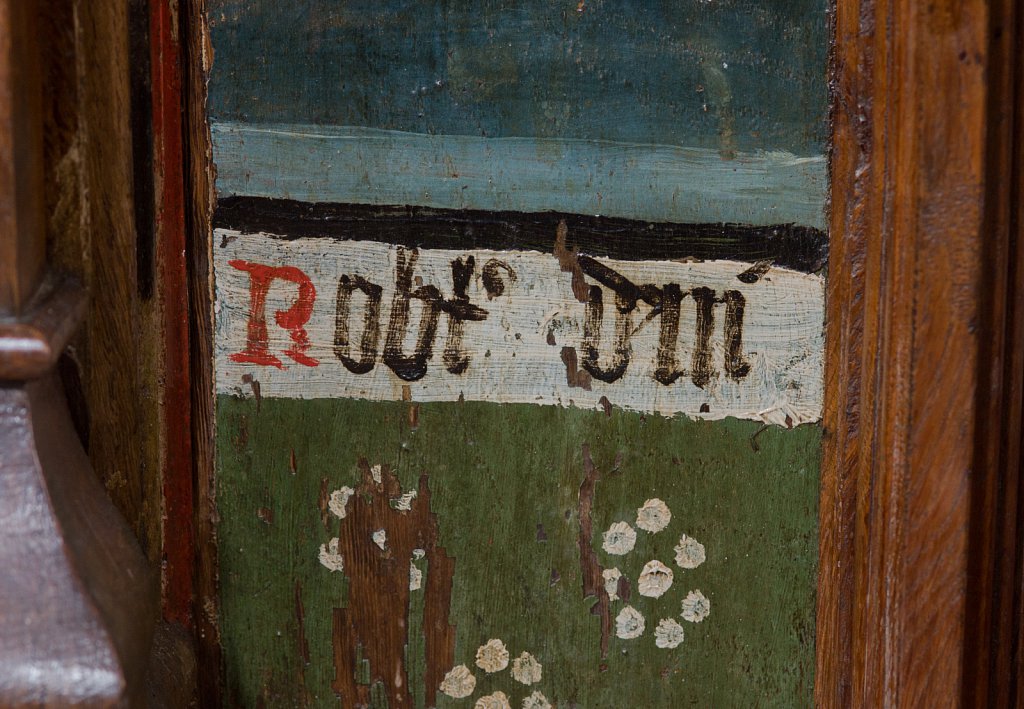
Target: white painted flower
<point>498,700</point>
<point>415,577</point>
<point>668,634</point>
<point>330,557</point>
<point>404,503</point>
<point>655,579</point>
<point>339,501</point>
<point>526,669</point>
<point>653,516</point>
<point>619,539</point>
<point>696,607</point>
<point>492,656</point>
<point>459,683</point>
<point>380,538</point>
<point>611,583</point>
<point>536,701</point>
<point>629,623</point>
<point>689,553</point>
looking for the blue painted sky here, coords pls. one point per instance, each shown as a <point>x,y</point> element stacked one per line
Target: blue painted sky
<point>727,75</point>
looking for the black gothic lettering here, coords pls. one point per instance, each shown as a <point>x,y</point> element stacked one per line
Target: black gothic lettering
<point>347,285</point>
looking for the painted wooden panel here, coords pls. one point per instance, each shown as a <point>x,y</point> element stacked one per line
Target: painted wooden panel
<point>518,351</point>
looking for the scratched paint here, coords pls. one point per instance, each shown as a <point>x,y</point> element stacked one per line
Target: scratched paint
<point>518,351</point>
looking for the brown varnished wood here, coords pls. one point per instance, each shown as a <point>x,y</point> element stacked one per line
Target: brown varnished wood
<point>993,623</point>
<point>200,192</point>
<point>920,298</point>
<point>31,344</point>
<point>22,252</point>
<point>76,595</point>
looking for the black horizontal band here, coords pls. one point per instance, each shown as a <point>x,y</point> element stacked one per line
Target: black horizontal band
<point>786,245</point>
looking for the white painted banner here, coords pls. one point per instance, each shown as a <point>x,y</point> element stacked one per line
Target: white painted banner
<point>325,318</point>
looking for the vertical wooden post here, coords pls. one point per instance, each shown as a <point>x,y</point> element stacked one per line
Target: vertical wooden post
<point>22,246</point>
<point>923,292</point>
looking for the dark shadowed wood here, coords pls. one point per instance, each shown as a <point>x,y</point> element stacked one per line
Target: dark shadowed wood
<point>22,254</point>
<point>920,322</point>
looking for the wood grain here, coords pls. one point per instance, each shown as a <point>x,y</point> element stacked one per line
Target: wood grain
<point>22,252</point>
<point>197,58</point>
<point>914,332</point>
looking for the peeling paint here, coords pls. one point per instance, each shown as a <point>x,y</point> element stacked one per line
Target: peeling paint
<point>415,578</point>
<point>696,607</point>
<point>498,700</point>
<point>536,701</point>
<point>404,503</point>
<point>689,553</point>
<point>492,656</point>
<point>526,670</point>
<point>459,683</point>
<point>655,579</point>
<point>668,634</point>
<point>611,583</point>
<point>653,516</point>
<point>629,623</point>
<point>372,631</point>
<point>619,539</point>
<point>330,557</point>
<point>339,501</point>
<point>375,473</point>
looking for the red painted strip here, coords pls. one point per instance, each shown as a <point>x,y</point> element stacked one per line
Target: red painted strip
<point>168,164</point>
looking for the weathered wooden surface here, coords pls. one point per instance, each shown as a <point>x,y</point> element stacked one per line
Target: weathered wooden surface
<point>920,483</point>
<point>521,529</point>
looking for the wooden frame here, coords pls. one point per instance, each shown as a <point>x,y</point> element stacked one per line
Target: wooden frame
<point>920,573</point>
<point>919,488</point>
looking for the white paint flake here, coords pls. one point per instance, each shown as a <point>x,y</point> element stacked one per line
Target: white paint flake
<point>526,669</point>
<point>619,539</point>
<point>611,583</point>
<point>492,656</point>
<point>330,557</point>
<point>459,683</point>
<point>689,553</point>
<point>404,503</point>
<point>376,472</point>
<point>338,502</point>
<point>415,578</point>
<point>654,516</point>
<point>668,634</point>
<point>498,700</point>
<point>696,607</point>
<point>655,579</point>
<point>629,623</point>
<point>782,336</point>
<point>536,701</point>
<point>418,554</point>
<point>380,538</point>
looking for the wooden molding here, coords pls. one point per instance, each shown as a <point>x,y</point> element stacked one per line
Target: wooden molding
<point>76,597</point>
<point>31,344</point>
<point>920,285</point>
